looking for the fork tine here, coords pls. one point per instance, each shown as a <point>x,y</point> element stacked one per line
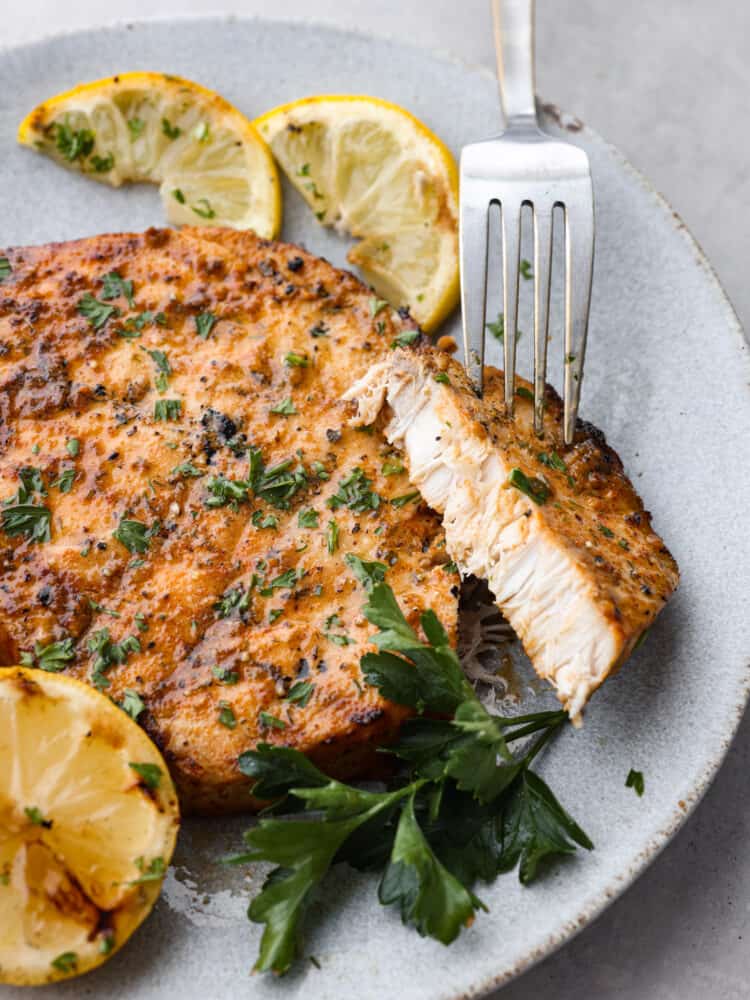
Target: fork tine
<point>473,223</point>
<point>542,268</point>
<point>579,261</point>
<point>511,227</point>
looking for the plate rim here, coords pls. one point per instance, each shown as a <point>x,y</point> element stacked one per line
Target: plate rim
<point>616,885</point>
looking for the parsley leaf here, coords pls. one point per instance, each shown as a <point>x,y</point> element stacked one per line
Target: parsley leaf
<point>636,781</point>
<point>73,144</point>
<point>96,312</point>
<point>169,130</point>
<point>308,518</point>
<point>534,826</point>
<point>405,339</point>
<point>167,409</point>
<point>53,657</point>
<point>285,408</point>
<point>204,324</point>
<point>294,360</point>
<point>132,704</point>
<point>535,489</point>
<point>332,536</point>
<point>113,286</point>
<point>150,872</point>
<point>107,654</point>
<point>31,520</point>
<point>150,774</point>
<point>300,693</point>
<point>354,492</point>
<point>134,535</point>
<point>5,269</point>
<point>427,895</point>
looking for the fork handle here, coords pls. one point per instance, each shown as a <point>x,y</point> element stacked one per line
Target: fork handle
<point>514,47</point>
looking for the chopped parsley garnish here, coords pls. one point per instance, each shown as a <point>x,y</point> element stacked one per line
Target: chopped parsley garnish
<point>167,409</point>
<point>300,693</point>
<point>223,491</point>
<point>450,567</point>
<point>178,196</point>
<point>607,532</point>
<point>274,613</point>
<point>269,721</point>
<point>114,286</point>
<point>109,654</point>
<point>443,378</point>
<point>234,601</point>
<point>150,872</point>
<point>163,368</point>
<point>462,809</point>
<point>133,325</point>
<point>262,520</point>
<point>204,324</point>
<point>405,339</point>
<point>150,774</point>
<point>552,461</point>
<point>319,470</point>
<point>203,208</point>
<point>392,467</point>
<point>136,127</point>
<point>102,164</point>
<point>354,492</point>
<point>53,657</point>
<point>73,144</point>
<point>96,312</point>
<point>66,962</point>
<point>294,360</point>
<point>226,715</point>
<point>285,581</point>
<point>535,489</point>
<point>64,482</point>
<point>5,269</point>
<point>636,781</point>
<point>35,816</point>
<point>72,446</point>
<point>96,606</point>
<point>319,330</point>
<point>31,520</point>
<point>188,471</point>
<point>377,306</point>
<point>308,518</point>
<point>525,269</point>
<point>525,393</point>
<point>224,675</point>
<point>406,499</point>
<point>276,485</point>
<point>169,130</point>
<point>497,329</point>
<point>132,704</point>
<point>134,535</point>
<point>285,408</point>
<point>332,536</point>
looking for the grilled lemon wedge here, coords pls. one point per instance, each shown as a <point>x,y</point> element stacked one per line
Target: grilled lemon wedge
<point>88,821</point>
<point>369,168</point>
<point>212,165</point>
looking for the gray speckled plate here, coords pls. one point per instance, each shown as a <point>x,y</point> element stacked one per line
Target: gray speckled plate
<point>667,378</point>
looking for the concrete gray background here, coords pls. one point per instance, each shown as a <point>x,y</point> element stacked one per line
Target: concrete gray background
<point>668,83</point>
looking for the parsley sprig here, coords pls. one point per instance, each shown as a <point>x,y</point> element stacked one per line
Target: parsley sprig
<point>463,809</point>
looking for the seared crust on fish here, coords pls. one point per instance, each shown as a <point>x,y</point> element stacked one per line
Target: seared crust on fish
<point>560,534</point>
<point>228,609</point>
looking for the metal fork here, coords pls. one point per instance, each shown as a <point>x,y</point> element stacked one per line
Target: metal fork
<point>525,167</point>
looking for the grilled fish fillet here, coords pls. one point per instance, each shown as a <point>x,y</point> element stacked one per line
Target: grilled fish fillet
<point>560,535</point>
<point>226,608</point>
